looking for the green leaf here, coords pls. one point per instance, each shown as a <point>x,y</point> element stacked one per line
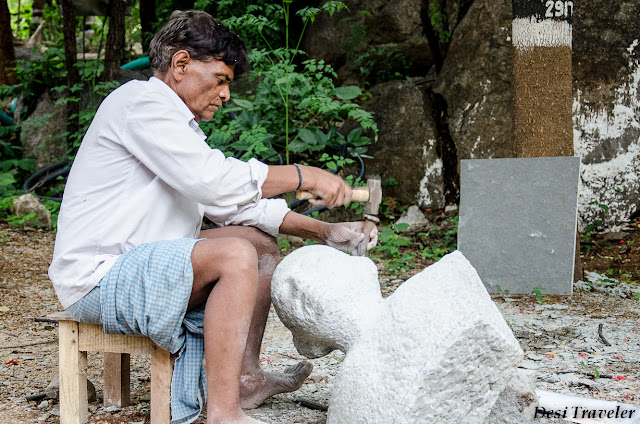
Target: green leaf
<point>308,137</point>
<point>347,92</point>
<point>333,6</point>
<point>297,146</point>
<point>245,104</point>
<point>402,227</point>
<point>4,309</point>
<point>6,179</point>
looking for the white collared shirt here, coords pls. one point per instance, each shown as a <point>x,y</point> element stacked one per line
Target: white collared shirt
<point>143,173</point>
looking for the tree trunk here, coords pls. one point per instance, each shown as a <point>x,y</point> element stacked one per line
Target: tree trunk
<point>7,53</point>
<point>37,12</point>
<point>70,55</point>
<point>147,19</point>
<point>115,39</point>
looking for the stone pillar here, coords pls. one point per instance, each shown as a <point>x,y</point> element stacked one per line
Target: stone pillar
<point>542,77</point>
<point>542,83</point>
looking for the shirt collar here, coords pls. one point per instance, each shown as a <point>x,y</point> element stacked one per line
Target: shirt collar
<point>181,107</point>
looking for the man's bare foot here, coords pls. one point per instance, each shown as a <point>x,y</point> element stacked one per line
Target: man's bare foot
<point>256,387</point>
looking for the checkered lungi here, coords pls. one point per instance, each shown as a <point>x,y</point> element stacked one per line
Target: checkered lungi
<point>146,292</point>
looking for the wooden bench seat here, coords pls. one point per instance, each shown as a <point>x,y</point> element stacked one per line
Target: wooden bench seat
<point>76,339</point>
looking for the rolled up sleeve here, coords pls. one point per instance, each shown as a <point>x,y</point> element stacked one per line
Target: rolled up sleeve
<point>266,215</point>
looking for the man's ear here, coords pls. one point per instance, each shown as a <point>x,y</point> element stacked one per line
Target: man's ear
<point>179,62</point>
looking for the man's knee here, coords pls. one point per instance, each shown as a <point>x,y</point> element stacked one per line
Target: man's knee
<point>239,254</point>
<point>264,243</point>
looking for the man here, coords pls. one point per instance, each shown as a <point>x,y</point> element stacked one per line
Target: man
<point>129,251</point>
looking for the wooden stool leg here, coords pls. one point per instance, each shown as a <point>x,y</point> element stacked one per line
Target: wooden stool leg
<point>161,372</point>
<point>73,378</point>
<point>117,379</point>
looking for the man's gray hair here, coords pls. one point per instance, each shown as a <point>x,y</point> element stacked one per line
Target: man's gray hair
<point>204,37</point>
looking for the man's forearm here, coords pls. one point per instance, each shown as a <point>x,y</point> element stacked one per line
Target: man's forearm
<point>281,179</point>
<point>295,224</point>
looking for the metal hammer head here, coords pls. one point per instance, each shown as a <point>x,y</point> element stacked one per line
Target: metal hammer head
<point>375,196</point>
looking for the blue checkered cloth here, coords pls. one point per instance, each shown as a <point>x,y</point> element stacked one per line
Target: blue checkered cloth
<point>146,292</point>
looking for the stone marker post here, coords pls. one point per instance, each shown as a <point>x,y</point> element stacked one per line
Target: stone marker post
<point>542,77</point>
<point>542,82</point>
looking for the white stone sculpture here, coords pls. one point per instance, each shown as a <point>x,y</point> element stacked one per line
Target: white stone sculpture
<point>436,351</point>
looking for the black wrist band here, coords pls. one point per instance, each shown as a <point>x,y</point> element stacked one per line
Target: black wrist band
<point>300,179</point>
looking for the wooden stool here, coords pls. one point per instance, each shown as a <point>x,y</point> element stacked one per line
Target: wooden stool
<point>76,339</point>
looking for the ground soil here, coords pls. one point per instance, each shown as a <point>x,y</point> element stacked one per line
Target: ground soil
<point>556,333</point>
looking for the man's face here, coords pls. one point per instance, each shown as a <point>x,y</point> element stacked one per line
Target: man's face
<point>204,86</point>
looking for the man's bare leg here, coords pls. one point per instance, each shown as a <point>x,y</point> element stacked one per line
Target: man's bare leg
<point>226,277</point>
<point>256,385</point>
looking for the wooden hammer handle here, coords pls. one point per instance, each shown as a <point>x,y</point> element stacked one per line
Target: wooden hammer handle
<point>358,194</point>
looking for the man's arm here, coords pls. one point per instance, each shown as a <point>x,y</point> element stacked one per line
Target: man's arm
<point>345,236</point>
<point>333,191</point>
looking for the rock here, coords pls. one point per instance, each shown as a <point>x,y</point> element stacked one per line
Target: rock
<point>606,105</point>
<point>616,236</point>
<point>388,28</point>
<point>53,390</point>
<point>622,290</point>
<point>318,318</point>
<point>476,82</point>
<point>535,357</point>
<point>518,401</point>
<point>42,134</point>
<point>406,147</point>
<point>28,203</point>
<point>438,330</point>
<point>414,218</point>
<point>529,365</point>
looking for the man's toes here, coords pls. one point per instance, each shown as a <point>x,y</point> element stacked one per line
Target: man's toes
<point>301,368</point>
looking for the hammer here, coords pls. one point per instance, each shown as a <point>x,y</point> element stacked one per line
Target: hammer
<point>371,195</point>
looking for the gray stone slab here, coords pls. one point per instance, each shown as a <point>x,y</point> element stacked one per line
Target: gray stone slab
<point>518,222</point>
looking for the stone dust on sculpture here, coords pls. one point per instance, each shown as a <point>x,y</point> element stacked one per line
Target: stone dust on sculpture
<point>435,351</point>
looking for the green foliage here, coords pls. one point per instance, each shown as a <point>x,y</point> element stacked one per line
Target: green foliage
<point>257,24</point>
<point>391,250</point>
<point>440,21</point>
<point>295,110</point>
<point>20,24</point>
<point>538,291</point>
<point>8,192</point>
<point>502,292</point>
<point>439,241</point>
<point>284,244</point>
<point>382,64</point>
<point>596,372</point>
<point>9,170</point>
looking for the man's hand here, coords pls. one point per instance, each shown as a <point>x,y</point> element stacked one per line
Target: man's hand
<point>349,237</point>
<point>331,190</point>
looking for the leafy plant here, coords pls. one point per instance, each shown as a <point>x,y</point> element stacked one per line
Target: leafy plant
<point>295,111</point>
<point>380,64</point>
<point>595,370</point>
<point>284,244</point>
<point>437,242</point>
<point>501,291</point>
<point>390,245</point>
<point>538,291</point>
<point>597,224</point>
